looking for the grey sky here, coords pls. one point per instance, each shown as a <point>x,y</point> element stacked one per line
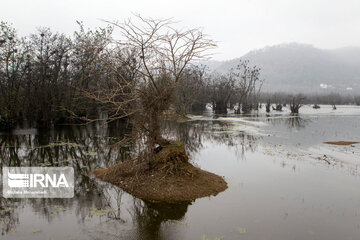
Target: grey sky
<point>239,26</point>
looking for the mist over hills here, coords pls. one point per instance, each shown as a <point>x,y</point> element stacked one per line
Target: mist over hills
<point>302,68</point>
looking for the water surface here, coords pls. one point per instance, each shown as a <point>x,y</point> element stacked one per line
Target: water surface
<point>284,183</point>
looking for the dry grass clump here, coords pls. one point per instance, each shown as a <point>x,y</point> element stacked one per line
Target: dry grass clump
<point>171,177</point>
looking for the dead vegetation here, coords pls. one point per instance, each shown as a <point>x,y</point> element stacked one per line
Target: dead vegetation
<point>159,169</point>
<point>342,143</point>
<point>170,179</point>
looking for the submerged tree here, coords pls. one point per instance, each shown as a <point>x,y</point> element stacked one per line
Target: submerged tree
<point>12,66</point>
<point>47,76</point>
<point>41,75</point>
<point>247,85</point>
<point>190,94</point>
<point>242,86</point>
<point>221,89</point>
<point>296,102</point>
<point>357,100</point>
<point>268,105</point>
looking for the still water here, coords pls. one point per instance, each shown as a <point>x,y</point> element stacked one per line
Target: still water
<point>284,183</point>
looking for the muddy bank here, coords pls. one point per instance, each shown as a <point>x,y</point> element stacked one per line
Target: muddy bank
<point>342,143</point>
<point>171,178</point>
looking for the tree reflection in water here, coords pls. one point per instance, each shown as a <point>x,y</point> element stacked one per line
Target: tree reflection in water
<point>149,217</point>
<point>88,147</point>
<point>293,121</point>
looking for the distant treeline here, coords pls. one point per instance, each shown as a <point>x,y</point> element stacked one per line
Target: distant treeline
<point>331,98</point>
<point>43,76</point>
<point>49,78</point>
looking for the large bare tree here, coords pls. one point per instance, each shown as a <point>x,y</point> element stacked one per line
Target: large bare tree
<point>248,85</point>
<point>152,57</point>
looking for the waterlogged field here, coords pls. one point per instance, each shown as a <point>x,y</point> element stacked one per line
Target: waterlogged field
<point>284,181</point>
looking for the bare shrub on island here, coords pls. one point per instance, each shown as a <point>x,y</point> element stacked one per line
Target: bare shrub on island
<point>157,56</point>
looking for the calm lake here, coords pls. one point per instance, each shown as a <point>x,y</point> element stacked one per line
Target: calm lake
<point>284,182</point>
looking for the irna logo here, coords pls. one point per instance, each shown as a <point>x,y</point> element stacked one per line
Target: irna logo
<point>38,182</point>
<point>18,180</point>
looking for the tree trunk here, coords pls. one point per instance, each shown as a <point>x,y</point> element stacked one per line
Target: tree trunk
<point>220,108</point>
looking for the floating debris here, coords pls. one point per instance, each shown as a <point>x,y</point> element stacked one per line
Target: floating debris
<point>101,212</point>
<point>203,237</point>
<point>60,209</point>
<point>241,230</point>
<point>36,231</point>
<point>325,158</point>
<point>342,143</point>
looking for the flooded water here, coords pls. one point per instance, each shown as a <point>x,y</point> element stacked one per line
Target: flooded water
<point>284,183</point>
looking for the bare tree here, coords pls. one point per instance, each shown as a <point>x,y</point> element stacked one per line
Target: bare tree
<point>296,102</point>
<point>12,63</point>
<point>191,91</point>
<point>221,89</point>
<point>152,59</point>
<point>357,100</point>
<point>268,105</point>
<point>334,99</point>
<point>248,85</point>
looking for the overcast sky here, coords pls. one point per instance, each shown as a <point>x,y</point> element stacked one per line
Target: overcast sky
<point>238,26</point>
